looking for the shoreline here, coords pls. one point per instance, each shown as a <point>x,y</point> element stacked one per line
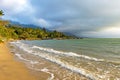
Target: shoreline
<point>10,69</point>
<point>44,67</point>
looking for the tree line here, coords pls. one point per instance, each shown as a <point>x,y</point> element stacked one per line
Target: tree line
<point>17,32</point>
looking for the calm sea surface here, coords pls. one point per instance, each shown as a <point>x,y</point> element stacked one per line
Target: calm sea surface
<point>95,59</point>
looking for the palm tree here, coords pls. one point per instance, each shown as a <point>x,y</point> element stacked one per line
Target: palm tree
<point>1,13</point>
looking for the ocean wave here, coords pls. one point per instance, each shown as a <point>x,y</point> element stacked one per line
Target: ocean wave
<point>67,53</point>
<point>30,61</point>
<point>49,50</point>
<point>32,66</point>
<point>47,71</point>
<point>66,65</point>
<point>53,59</point>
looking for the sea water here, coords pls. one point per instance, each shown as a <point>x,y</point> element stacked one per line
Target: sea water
<point>95,59</point>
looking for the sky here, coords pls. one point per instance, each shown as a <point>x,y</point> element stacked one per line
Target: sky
<point>83,18</point>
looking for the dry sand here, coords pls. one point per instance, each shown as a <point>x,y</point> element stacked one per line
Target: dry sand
<point>11,69</point>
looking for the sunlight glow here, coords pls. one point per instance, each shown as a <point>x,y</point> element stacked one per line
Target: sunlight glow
<point>114,30</point>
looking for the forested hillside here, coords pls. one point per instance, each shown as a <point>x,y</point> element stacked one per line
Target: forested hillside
<point>16,32</point>
<point>8,31</point>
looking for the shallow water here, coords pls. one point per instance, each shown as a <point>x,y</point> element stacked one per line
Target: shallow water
<point>94,59</point>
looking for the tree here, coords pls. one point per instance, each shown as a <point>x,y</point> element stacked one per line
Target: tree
<point>1,13</point>
<point>24,36</point>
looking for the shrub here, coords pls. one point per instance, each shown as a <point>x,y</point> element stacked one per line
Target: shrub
<point>1,41</point>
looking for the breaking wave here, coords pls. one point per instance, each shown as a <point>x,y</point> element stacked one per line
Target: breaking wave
<point>30,50</point>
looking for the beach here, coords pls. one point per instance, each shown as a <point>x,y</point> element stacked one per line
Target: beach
<point>11,69</point>
<point>76,60</point>
<point>49,60</point>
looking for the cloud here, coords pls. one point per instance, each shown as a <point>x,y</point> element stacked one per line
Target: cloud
<point>15,6</point>
<point>41,22</point>
<point>92,16</point>
<point>87,18</point>
<point>18,10</point>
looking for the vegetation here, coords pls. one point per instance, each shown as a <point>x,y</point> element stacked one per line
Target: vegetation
<point>16,32</point>
<point>1,13</point>
<point>34,33</point>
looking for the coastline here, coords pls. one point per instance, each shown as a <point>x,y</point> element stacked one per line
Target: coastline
<point>59,63</point>
<point>45,69</point>
<point>11,69</point>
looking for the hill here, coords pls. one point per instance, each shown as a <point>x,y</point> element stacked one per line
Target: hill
<point>16,32</point>
<point>23,25</point>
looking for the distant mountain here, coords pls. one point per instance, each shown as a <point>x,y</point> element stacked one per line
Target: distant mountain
<point>34,26</point>
<point>70,34</point>
<point>24,25</point>
<point>27,25</point>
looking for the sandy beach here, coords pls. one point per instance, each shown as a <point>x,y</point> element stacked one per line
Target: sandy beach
<point>41,68</point>
<point>11,69</point>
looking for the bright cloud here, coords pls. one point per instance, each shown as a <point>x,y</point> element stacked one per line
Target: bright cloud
<point>41,22</point>
<point>16,6</point>
<point>109,32</point>
<point>87,18</point>
<point>17,10</point>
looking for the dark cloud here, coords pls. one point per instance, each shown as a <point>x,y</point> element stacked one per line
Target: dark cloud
<point>89,18</point>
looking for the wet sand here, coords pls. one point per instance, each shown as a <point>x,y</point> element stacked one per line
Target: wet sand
<point>53,71</point>
<point>11,69</point>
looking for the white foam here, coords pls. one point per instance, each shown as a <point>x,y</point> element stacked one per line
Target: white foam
<point>67,53</point>
<point>30,61</point>
<point>66,65</point>
<point>47,71</point>
<point>57,60</point>
<point>21,45</point>
<point>35,62</point>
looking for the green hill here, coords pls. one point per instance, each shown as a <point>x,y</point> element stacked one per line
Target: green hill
<point>15,32</point>
<point>8,32</point>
